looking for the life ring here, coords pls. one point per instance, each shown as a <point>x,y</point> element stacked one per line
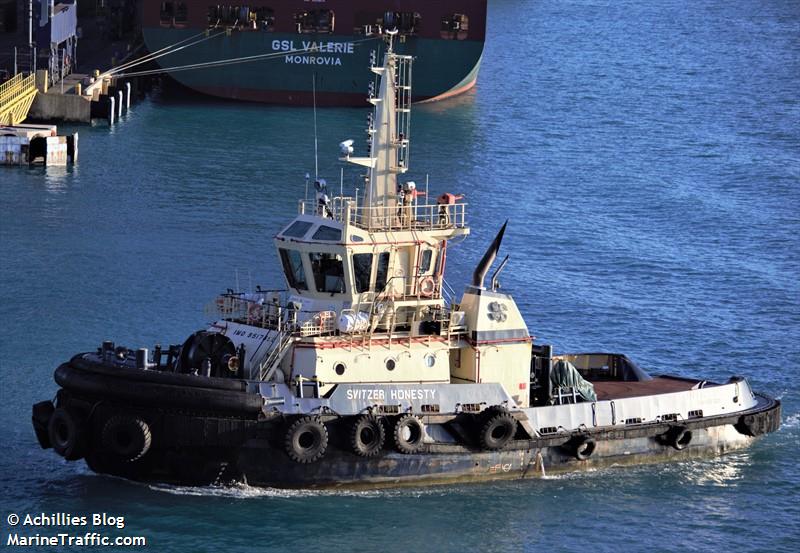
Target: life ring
<point>66,435</point>
<point>679,437</point>
<point>498,429</point>
<point>128,438</point>
<point>408,434</point>
<point>427,286</point>
<point>255,311</point>
<point>367,436</point>
<point>306,440</point>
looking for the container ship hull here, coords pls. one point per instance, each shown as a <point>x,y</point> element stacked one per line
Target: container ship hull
<point>292,66</point>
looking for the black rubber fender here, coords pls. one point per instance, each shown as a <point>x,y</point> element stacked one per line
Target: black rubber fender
<point>408,434</point>
<point>156,394</point>
<point>585,448</point>
<point>497,430</point>
<point>158,377</point>
<point>679,437</point>
<point>40,416</point>
<point>127,437</point>
<point>580,446</point>
<point>367,435</point>
<point>66,434</point>
<point>306,440</point>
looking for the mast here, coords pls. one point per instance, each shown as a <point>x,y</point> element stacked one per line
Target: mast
<point>389,138</point>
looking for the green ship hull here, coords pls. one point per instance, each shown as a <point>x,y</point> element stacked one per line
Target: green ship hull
<point>336,65</point>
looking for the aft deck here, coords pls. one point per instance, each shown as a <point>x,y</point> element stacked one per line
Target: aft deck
<point>658,385</point>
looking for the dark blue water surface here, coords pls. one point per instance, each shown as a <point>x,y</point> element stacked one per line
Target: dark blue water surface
<point>647,155</point>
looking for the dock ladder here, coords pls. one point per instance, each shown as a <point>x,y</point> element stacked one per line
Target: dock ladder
<point>16,98</point>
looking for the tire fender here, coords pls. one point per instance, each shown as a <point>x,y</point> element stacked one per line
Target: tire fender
<point>306,440</point>
<point>66,434</point>
<point>497,430</point>
<point>679,437</point>
<point>367,435</point>
<point>408,434</point>
<point>127,437</point>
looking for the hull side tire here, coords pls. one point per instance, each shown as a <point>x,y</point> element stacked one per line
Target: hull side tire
<point>40,417</point>
<point>127,438</point>
<point>679,437</point>
<point>408,434</point>
<point>498,430</point>
<point>584,449</point>
<point>306,440</point>
<point>65,434</point>
<point>367,436</point>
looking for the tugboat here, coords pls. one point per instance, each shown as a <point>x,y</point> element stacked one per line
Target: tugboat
<point>368,371</point>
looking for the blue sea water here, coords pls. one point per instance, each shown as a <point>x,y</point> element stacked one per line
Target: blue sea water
<point>647,155</point>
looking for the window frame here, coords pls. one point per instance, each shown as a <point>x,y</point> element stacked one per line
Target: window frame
<point>382,272</point>
<point>289,269</point>
<point>320,279</point>
<point>358,281</point>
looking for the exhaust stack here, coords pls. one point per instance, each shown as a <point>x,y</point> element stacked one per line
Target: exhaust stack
<point>488,258</point>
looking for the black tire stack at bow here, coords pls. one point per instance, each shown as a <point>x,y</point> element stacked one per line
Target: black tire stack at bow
<point>66,434</point>
<point>127,437</point>
<point>157,389</point>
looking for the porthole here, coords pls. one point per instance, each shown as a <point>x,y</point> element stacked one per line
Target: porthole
<point>430,360</point>
<point>339,368</point>
<point>390,364</point>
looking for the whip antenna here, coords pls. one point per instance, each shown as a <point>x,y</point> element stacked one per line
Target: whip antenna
<point>314,97</point>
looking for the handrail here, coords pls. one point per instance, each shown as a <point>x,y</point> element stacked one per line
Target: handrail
<point>12,82</point>
<point>268,367</point>
<point>16,96</point>
<point>436,216</point>
<point>16,87</point>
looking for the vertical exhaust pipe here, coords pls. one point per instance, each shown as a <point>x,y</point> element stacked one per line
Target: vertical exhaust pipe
<point>488,258</point>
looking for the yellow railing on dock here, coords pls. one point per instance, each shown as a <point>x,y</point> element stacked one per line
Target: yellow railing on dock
<point>16,97</point>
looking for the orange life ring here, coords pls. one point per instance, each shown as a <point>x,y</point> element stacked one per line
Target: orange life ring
<point>254,311</point>
<point>427,286</point>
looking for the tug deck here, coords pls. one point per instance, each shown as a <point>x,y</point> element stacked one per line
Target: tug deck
<point>658,385</point>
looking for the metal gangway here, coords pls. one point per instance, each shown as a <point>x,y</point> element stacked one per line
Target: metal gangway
<point>16,98</point>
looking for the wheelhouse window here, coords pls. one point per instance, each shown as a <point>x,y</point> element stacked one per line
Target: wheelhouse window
<point>298,229</point>
<point>382,271</point>
<point>328,271</point>
<point>425,262</point>
<point>406,23</point>
<point>242,17</point>
<point>455,27</point>
<point>362,270</point>
<point>324,232</point>
<point>293,268</point>
<point>314,21</point>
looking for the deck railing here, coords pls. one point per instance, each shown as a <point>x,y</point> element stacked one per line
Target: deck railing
<point>344,209</point>
<point>16,97</point>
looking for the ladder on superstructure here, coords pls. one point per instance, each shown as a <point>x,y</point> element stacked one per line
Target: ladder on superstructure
<point>278,347</point>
